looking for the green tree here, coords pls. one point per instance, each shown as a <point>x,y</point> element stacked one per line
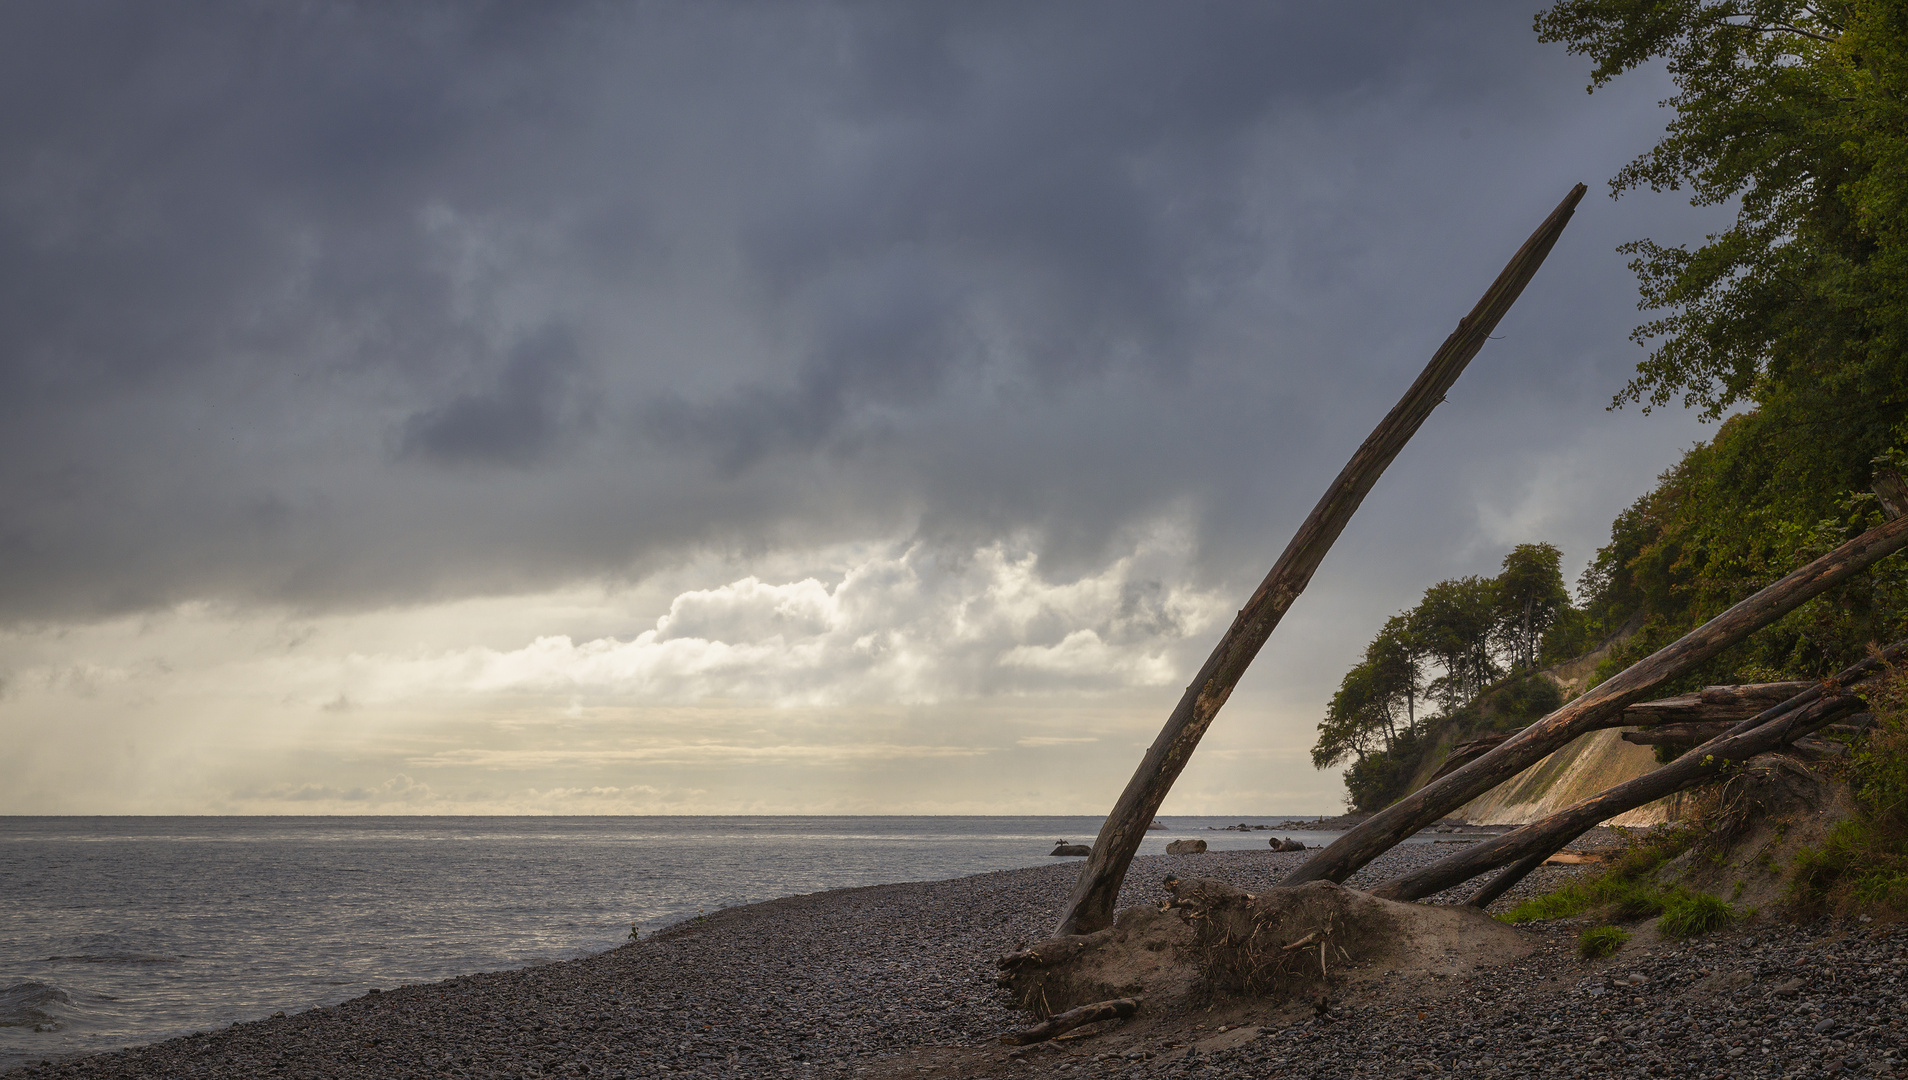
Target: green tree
<point>1530,599</point>
<point>1453,624</point>
<point>1794,111</point>
<point>1363,715</point>
<point>1795,318</point>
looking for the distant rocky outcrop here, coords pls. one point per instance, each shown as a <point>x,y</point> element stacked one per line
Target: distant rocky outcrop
<point>1186,847</point>
<point>1077,850</point>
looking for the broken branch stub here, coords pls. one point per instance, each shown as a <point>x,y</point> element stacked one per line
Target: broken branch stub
<point>1090,907</point>
<point>1597,707</point>
<point>1116,1009</point>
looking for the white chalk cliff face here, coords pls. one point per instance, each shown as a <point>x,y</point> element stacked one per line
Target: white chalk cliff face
<point>1589,764</point>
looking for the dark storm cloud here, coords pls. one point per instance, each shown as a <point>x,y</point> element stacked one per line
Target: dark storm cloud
<point>527,415</point>
<point>341,305</point>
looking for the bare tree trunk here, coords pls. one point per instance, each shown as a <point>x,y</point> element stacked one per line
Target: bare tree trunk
<point>1539,840</point>
<point>1730,703</point>
<point>1599,707</point>
<point>1090,907</point>
<point>1823,703</point>
<point>1544,837</point>
<point>1685,734</point>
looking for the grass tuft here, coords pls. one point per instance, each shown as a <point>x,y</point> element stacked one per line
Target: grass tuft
<point>1624,889</point>
<point>1601,941</point>
<point>1692,914</point>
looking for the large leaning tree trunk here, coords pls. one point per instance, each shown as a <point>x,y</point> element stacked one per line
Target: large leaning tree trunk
<point>1596,708</point>
<point>1090,908</point>
<point>1819,705</point>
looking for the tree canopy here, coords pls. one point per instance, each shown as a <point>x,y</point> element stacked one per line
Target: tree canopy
<point>1471,629</point>
<point>1794,319</point>
<point>1795,111</point>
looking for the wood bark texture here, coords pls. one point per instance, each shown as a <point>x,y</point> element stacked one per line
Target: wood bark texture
<point>1692,734</point>
<point>1822,704</point>
<point>1892,492</point>
<point>1090,907</point>
<point>1116,1009</point>
<point>1545,836</point>
<point>1729,703</point>
<point>1466,752</point>
<point>1596,708</point>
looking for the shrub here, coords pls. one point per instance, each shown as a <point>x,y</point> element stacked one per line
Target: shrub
<point>1692,914</point>
<point>1863,864</point>
<point>1600,941</point>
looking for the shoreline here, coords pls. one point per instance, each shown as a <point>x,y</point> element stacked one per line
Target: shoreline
<point>897,980</point>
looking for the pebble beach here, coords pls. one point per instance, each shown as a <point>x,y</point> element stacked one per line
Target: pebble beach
<point>898,981</point>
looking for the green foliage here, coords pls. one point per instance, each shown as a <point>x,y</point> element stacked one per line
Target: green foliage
<point>1635,902</point>
<point>1692,914</point>
<point>1624,890</point>
<point>1384,776</point>
<point>1380,779</point>
<point>1863,864</point>
<point>1454,624</point>
<point>1530,596</point>
<point>1601,941</point>
<point>1731,517</point>
<point>1796,113</point>
<point>1793,110</point>
<point>1468,628</point>
<point>1641,855</point>
<point>1572,899</point>
<point>1618,899</point>
<point>1375,700</point>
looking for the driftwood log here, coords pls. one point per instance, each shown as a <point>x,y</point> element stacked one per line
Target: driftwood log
<point>1596,708</point>
<point>1692,734</point>
<point>1542,838</point>
<point>1117,1009</point>
<point>1714,703</point>
<point>1466,752</point>
<point>1527,847</point>
<point>1090,907</point>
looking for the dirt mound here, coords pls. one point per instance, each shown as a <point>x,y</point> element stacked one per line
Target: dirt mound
<point>1755,823</point>
<point>1211,938</point>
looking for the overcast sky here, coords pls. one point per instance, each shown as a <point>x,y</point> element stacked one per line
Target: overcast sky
<point>733,407</point>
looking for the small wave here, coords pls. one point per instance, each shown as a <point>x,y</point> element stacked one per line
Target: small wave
<point>115,958</point>
<point>29,1004</point>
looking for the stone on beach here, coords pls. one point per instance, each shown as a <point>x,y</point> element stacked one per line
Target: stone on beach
<point>896,981</point>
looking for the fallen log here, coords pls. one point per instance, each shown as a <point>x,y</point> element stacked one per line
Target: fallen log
<point>1597,707</point>
<point>1693,734</point>
<point>1466,752</point>
<point>1527,847</point>
<point>1117,1009</point>
<point>1713,703</point>
<point>1090,907</point>
<point>1544,837</point>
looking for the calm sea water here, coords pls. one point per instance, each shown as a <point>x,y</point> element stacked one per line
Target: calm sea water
<point>118,931</point>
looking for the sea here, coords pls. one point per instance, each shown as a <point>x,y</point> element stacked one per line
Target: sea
<point>117,931</point>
